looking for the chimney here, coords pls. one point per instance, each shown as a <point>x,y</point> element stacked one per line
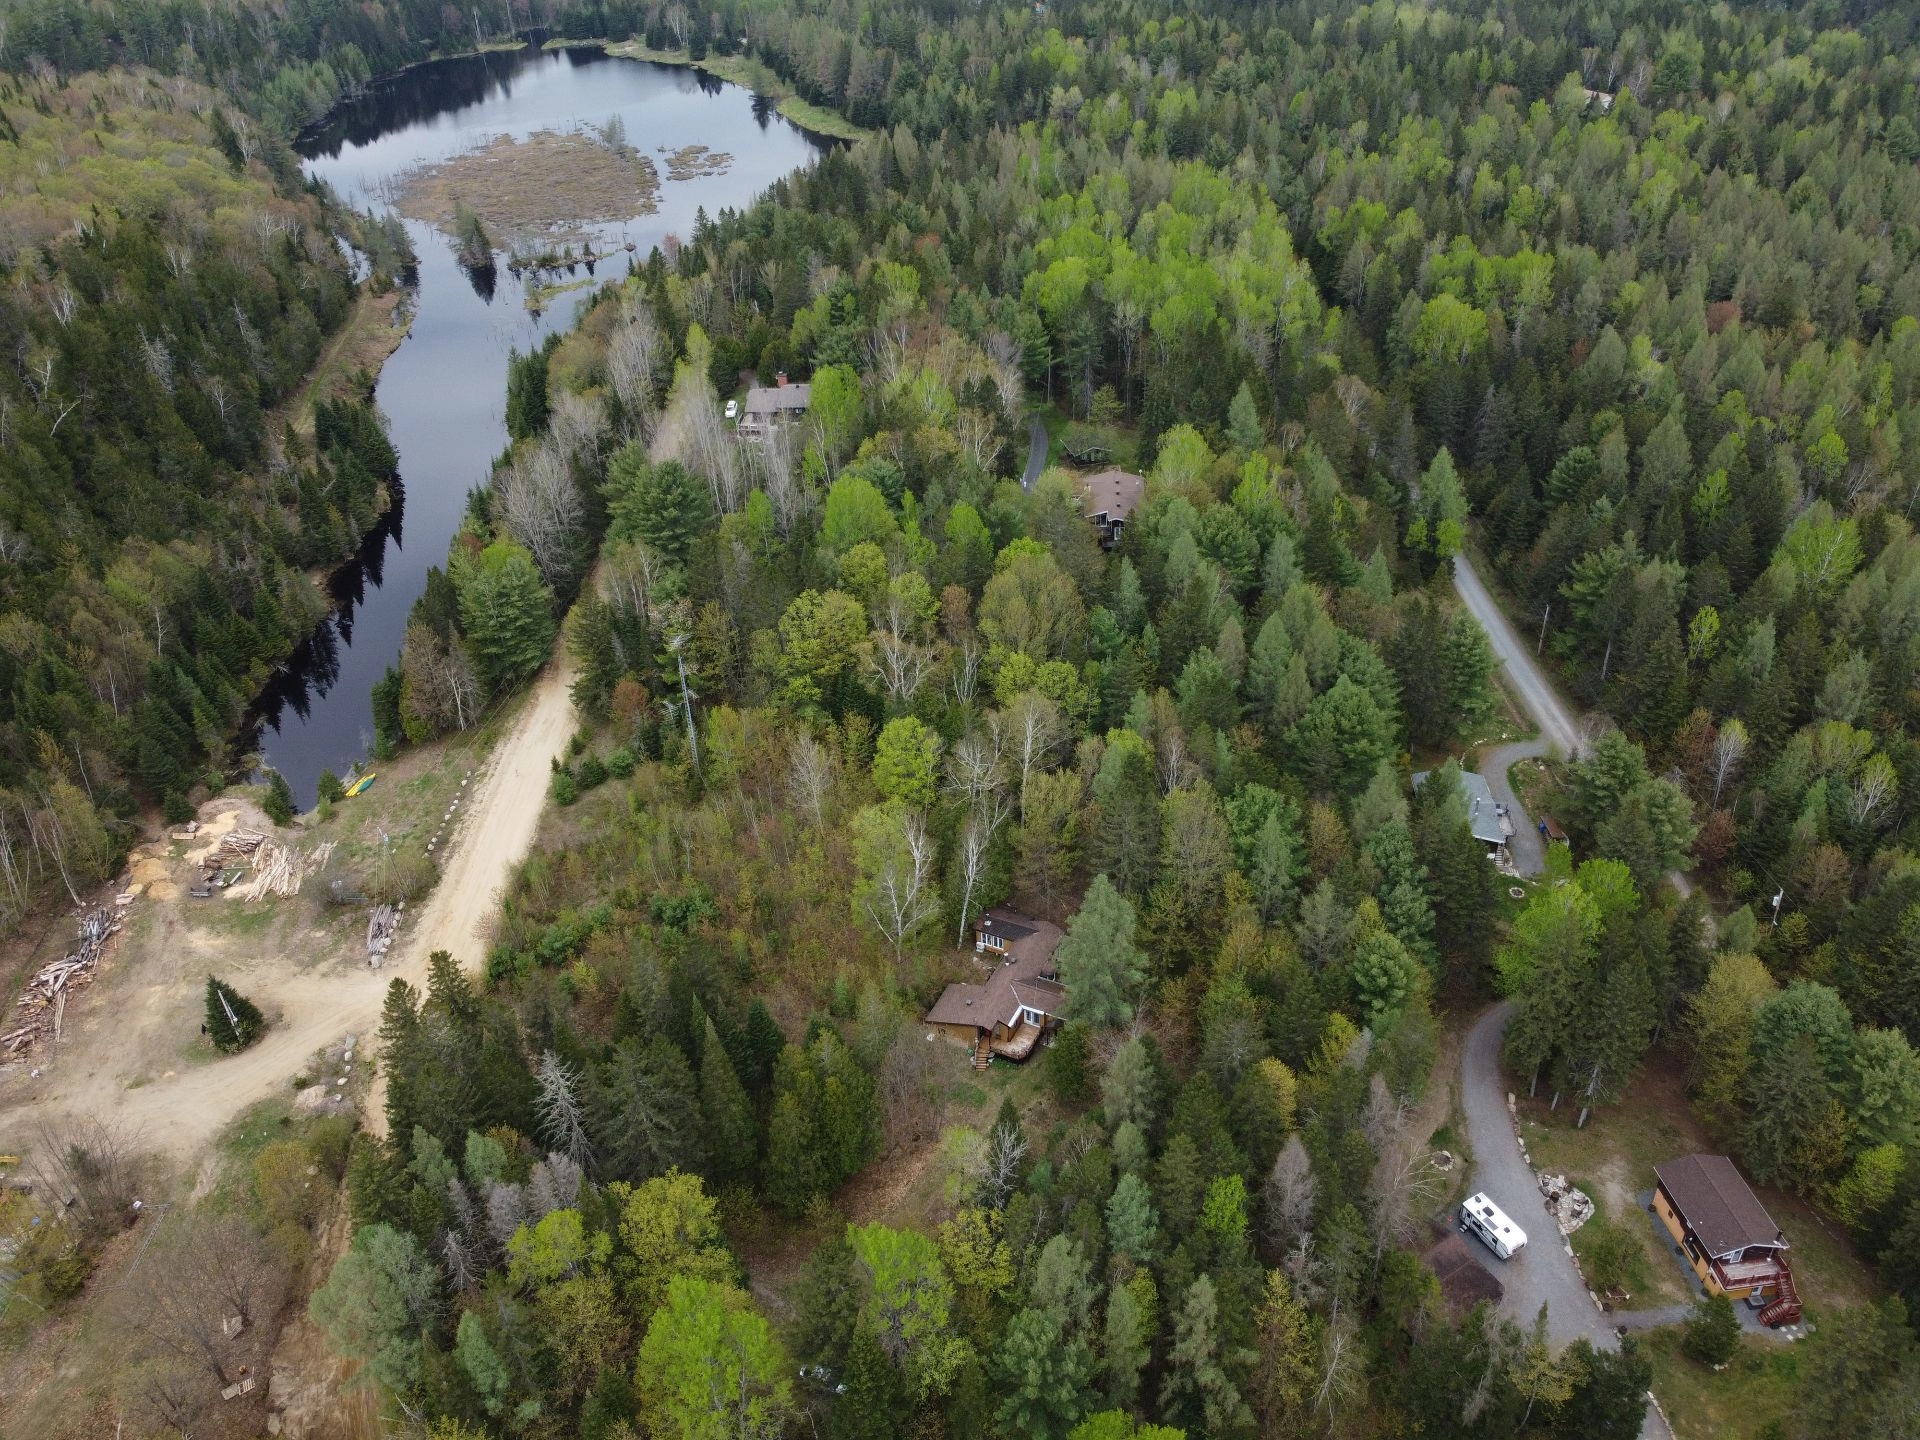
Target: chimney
<point>781,379</point>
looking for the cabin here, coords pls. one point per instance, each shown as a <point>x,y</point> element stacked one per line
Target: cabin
<point>1726,1235</point>
<point>780,403</point>
<point>1111,498</point>
<point>1020,1000</point>
<point>1490,821</point>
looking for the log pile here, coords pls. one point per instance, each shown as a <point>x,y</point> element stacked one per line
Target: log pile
<point>279,869</point>
<point>45,998</point>
<point>238,841</point>
<point>381,925</point>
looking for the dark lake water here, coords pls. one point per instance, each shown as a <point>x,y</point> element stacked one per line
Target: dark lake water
<point>444,391</point>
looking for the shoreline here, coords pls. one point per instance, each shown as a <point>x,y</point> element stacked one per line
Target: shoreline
<point>815,119</point>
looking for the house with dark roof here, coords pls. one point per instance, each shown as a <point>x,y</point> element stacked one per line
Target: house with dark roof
<point>1021,998</point>
<point>1726,1235</point>
<point>780,403</point>
<point>1489,820</point>
<point>1111,498</point>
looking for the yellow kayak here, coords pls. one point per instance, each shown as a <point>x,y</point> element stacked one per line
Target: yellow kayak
<point>361,784</point>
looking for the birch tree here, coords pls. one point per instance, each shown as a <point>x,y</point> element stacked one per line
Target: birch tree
<point>894,855</point>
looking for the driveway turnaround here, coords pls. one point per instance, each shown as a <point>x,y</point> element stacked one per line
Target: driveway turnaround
<point>1543,1272</point>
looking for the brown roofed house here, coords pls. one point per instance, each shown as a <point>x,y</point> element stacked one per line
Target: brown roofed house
<point>1112,496</point>
<point>1018,1003</point>
<point>1726,1234</point>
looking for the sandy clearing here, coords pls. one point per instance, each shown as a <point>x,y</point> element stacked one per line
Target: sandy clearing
<point>181,1112</point>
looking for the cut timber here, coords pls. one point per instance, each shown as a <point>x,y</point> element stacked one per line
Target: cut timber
<point>45,998</point>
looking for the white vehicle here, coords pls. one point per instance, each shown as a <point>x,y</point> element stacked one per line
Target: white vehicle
<point>1480,1216</point>
<point>733,409</point>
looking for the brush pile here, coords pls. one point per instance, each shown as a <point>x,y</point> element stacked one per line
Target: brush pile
<point>45,998</point>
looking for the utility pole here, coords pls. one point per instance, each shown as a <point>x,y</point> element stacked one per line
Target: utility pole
<point>1541,644</point>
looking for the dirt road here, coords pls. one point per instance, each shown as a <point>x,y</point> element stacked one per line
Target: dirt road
<point>179,1114</point>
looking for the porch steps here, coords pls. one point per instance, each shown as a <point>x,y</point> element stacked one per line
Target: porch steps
<point>1785,1308</point>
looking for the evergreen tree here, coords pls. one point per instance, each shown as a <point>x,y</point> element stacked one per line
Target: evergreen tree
<point>1098,962</point>
<point>507,612</point>
<point>233,1021</point>
<point>278,802</point>
<point>728,1113</point>
<point>875,1403</point>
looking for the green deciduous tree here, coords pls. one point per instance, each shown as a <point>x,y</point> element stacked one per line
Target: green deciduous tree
<point>711,1368</point>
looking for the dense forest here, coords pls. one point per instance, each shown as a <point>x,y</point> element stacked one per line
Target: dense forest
<point>851,685</point>
<point>1623,297</point>
<point>170,284</point>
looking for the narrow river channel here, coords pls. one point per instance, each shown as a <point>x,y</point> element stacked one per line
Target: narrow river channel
<point>444,391</point>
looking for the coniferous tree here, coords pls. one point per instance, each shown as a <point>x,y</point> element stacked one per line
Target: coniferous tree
<point>233,1021</point>
<point>731,1136</point>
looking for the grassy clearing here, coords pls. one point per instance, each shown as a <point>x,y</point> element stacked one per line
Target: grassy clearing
<point>1737,1403</point>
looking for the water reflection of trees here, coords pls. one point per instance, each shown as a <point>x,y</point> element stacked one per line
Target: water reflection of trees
<point>314,666</point>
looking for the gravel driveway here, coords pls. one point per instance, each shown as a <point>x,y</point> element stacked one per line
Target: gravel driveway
<point>1543,1271</point>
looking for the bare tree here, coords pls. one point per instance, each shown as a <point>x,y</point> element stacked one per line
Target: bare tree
<point>896,863</point>
<point>166,1392</point>
<point>577,426</point>
<point>1006,1148</point>
<point>93,1168</point>
<point>1289,1194</point>
<point>553,1185</point>
<point>1339,1368</point>
<point>197,1285</point>
<point>634,358</point>
<point>441,686</point>
<point>506,1212</point>
<point>906,1085</point>
<point>899,665</point>
<point>541,507</point>
<point>975,838</point>
<point>463,1268</point>
<point>811,771</point>
<point>1729,749</point>
<point>562,1116</point>
<point>1032,729</point>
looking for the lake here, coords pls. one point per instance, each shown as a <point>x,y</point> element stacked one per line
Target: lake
<point>444,391</point>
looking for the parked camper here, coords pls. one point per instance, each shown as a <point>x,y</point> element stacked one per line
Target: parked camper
<point>1480,1216</point>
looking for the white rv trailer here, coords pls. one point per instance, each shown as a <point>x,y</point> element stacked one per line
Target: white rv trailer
<point>1487,1220</point>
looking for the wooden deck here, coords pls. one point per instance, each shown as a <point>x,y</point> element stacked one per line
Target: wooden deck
<point>1020,1043</point>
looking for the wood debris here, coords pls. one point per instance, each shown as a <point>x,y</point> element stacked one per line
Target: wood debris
<point>45,998</point>
<point>242,842</point>
<point>279,869</point>
<point>381,925</point>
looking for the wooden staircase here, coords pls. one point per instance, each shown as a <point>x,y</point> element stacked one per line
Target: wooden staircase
<point>1785,1307</point>
<point>983,1051</point>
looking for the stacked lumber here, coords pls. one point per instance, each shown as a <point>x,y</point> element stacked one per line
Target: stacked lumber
<point>381,925</point>
<point>45,998</point>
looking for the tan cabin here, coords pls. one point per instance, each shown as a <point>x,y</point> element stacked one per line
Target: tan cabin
<point>1021,998</point>
<point>1726,1235</point>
